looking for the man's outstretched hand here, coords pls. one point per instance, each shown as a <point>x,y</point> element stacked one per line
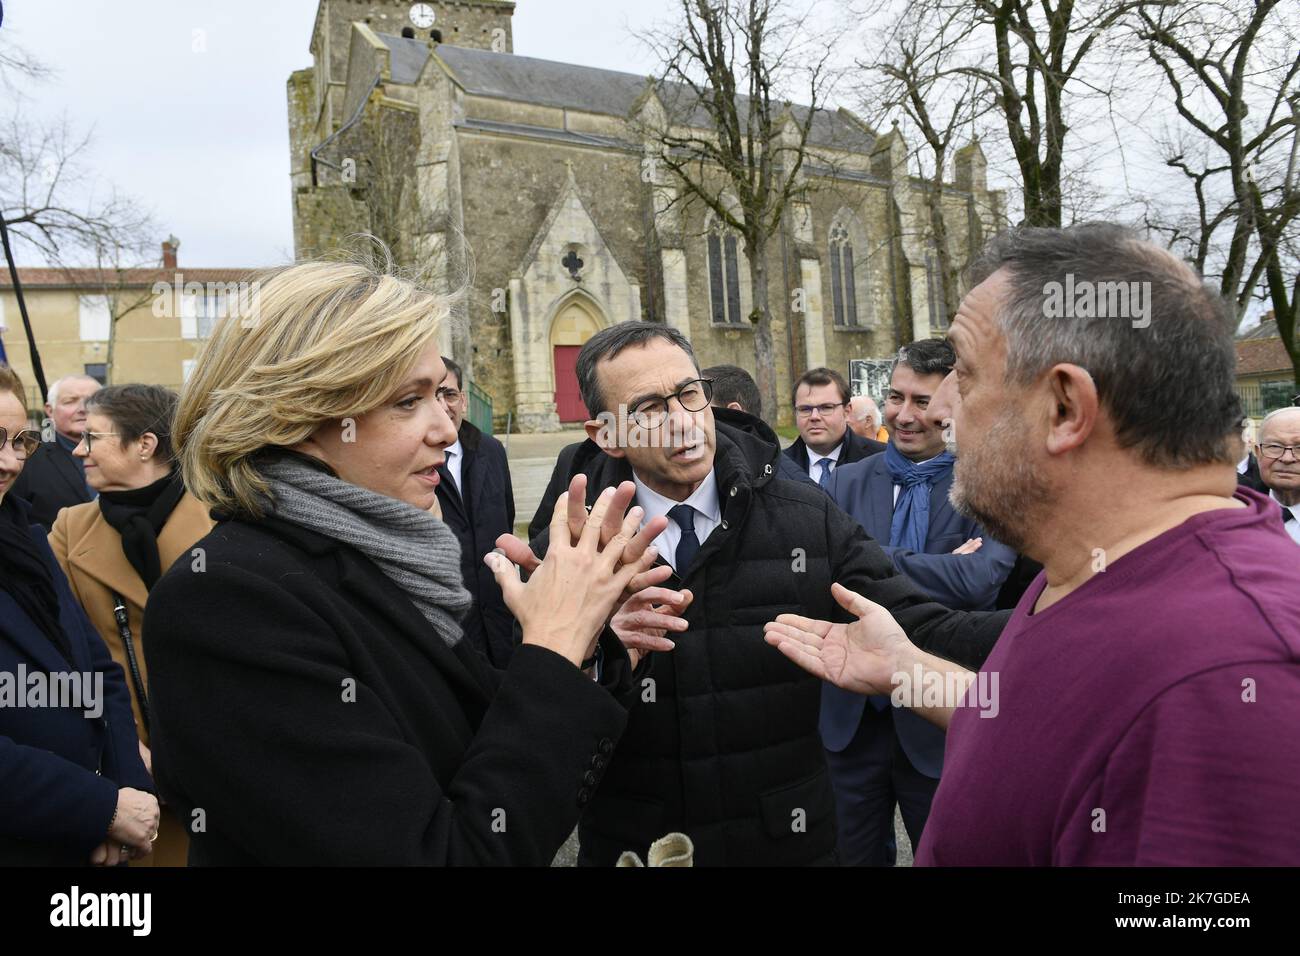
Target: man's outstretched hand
<point>861,657</point>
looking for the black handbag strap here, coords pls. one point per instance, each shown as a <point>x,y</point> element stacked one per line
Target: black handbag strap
<point>133,663</point>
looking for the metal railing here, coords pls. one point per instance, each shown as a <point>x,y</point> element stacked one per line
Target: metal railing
<point>480,409</point>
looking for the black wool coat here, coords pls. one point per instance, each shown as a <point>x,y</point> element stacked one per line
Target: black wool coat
<point>722,743</point>
<point>480,512</point>
<point>305,706</point>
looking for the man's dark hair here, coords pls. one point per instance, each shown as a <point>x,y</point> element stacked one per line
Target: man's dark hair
<point>820,376</point>
<point>1168,385</point>
<point>454,369</point>
<point>926,357</point>
<point>731,383</point>
<point>136,409</point>
<point>608,342</point>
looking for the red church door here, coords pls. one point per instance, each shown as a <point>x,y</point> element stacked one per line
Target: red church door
<point>568,400</point>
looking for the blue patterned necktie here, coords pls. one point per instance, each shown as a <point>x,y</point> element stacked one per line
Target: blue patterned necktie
<point>689,546</point>
<point>825,479</point>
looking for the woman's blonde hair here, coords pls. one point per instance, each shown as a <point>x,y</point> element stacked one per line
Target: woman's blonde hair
<point>315,342</point>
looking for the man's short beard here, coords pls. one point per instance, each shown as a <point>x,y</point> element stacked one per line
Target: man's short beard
<point>998,487</point>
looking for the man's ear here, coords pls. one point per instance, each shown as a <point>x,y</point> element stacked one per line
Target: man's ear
<point>1075,408</point>
<point>736,405</point>
<point>603,430</point>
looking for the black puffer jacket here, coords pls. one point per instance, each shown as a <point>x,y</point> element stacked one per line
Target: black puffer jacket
<point>721,741</point>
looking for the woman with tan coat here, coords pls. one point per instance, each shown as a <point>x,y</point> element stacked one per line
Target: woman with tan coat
<point>115,548</point>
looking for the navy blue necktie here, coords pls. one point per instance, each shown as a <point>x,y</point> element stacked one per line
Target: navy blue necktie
<point>689,546</point>
<point>825,479</point>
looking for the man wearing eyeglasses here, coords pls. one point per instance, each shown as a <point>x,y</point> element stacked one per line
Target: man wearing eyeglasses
<point>821,413</point>
<point>1278,452</point>
<point>478,503</point>
<point>721,741</point>
<point>55,478</point>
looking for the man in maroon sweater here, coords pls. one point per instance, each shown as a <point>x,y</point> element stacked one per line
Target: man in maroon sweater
<point>1141,706</point>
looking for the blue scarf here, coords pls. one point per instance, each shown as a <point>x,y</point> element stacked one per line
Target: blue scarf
<point>911,523</point>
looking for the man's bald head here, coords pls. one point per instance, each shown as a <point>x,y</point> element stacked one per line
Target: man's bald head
<point>864,416</point>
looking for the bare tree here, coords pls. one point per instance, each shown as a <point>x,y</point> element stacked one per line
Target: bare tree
<point>123,276</point>
<point>1231,68</point>
<point>49,200</point>
<point>1042,68</point>
<point>923,74</point>
<point>729,129</point>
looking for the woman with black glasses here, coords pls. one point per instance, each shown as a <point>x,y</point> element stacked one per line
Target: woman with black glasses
<point>115,548</point>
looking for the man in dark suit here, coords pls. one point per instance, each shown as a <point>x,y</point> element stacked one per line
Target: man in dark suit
<point>736,389</point>
<point>1248,474</point>
<point>478,503</point>
<point>821,406</point>
<point>55,478</point>
<point>880,755</point>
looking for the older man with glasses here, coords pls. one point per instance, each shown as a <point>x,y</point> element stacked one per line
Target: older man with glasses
<point>1278,451</point>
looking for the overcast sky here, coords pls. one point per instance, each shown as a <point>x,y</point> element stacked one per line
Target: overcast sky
<point>201,138</point>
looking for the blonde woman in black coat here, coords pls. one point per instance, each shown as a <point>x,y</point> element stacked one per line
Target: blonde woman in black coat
<point>314,701</point>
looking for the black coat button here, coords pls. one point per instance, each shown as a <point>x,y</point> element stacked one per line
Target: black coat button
<point>606,746</point>
<point>598,762</point>
<point>584,797</point>
<point>590,778</point>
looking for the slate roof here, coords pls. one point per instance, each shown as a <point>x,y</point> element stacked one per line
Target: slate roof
<point>525,79</point>
<point>406,57</point>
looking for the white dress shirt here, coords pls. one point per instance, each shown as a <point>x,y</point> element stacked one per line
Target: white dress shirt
<point>708,513</point>
<point>455,456</point>
<point>1292,526</point>
<point>814,470</point>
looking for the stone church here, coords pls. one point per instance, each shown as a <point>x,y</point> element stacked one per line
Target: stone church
<point>525,182</point>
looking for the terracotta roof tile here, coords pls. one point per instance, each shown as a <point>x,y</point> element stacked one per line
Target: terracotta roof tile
<point>1257,356</point>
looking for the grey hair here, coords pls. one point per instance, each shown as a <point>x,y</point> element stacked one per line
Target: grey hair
<point>869,407</point>
<point>52,394</point>
<point>1168,384</point>
<point>608,342</point>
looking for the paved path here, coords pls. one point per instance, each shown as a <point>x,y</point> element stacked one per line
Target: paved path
<point>532,459</point>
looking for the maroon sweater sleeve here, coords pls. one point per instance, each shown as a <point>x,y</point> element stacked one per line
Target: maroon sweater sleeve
<point>1206,776</point>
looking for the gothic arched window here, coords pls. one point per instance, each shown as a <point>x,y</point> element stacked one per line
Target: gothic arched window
<point>724,276</point>
<point>844,294</point>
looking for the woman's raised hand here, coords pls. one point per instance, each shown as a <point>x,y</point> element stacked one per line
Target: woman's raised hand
<point>594,560</point>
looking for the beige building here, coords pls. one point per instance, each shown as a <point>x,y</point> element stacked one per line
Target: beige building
<point>161,317</point>
<point>1265,376</point>
<point>537,182</point>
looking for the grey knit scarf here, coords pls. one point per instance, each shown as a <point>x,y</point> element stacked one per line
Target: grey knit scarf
<point>416,550</point>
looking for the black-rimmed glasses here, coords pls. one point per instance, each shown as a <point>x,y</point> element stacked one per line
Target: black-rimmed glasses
<point>694,396</point>
<point>805,411</point>
<point>88,439</point>
<point>1273,450</point>
<point>25,442</point>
